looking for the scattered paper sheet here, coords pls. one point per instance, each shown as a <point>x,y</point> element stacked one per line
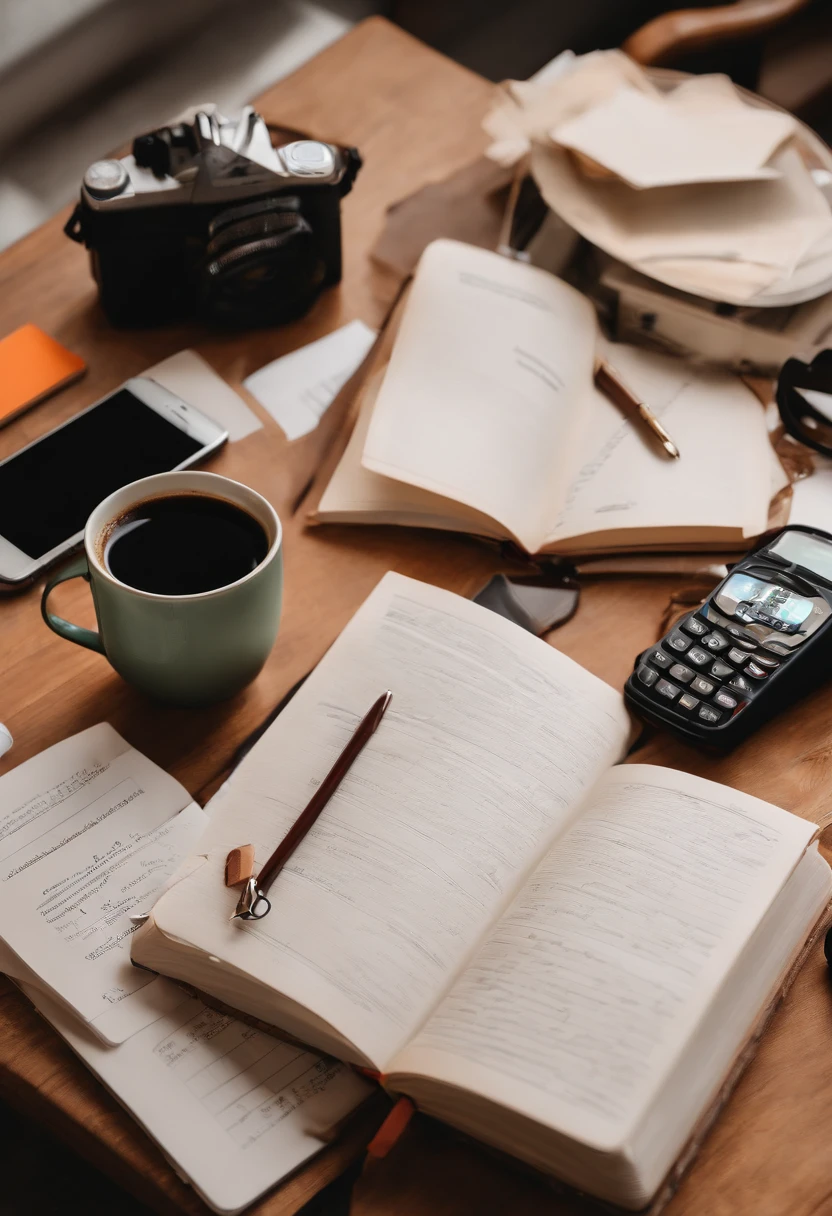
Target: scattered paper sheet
<point>195,381</point>
<point>298,388</point>
<point>234,1109</point>
<point>531,108</point>
<point>763,239</point>
<point>697,133</point>
<point>90,830</point>
<point>755,232</point>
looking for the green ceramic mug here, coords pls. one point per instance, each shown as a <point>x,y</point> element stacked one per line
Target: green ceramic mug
<point>183,649</point>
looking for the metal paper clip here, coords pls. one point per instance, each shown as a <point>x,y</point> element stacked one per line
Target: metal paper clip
<point>252,904</point>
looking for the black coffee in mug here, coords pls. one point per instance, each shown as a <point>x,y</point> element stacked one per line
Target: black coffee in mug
<point>184,544</point>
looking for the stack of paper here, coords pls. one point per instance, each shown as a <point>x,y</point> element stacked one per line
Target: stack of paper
<point>696,187</point>
<point>90,832</point>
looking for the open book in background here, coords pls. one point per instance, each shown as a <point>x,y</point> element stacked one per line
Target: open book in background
<point>486,420</point>
<point>562,957</point>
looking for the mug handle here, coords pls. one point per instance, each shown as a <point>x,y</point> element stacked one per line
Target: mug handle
<point>78,568</point>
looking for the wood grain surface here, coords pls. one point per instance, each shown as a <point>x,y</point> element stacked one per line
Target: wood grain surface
<point>416,118</point>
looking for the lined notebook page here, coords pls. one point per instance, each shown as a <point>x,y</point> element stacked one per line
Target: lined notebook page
<point>489,744</point>
<point>718,491</point>
<point>234,1109</point>
<point>484,394</point>
<point>592,982</point>
<point>353,493</point>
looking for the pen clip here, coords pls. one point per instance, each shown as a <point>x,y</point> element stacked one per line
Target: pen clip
<point>252,904</point>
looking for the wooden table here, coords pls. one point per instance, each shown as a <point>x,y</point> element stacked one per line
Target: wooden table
<point>415,116</point>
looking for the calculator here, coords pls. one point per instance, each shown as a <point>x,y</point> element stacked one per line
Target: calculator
<point>762,640</point>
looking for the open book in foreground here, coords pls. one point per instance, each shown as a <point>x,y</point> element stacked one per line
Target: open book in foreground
<point>486,420</point>
<point>564,958</point>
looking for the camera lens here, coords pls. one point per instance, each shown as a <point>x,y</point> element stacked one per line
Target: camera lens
<point>263,266</point>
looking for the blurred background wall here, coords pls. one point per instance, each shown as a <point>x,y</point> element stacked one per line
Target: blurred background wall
<point>79,78</point>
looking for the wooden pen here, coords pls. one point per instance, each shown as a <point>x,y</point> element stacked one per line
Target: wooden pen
<point>253,904</point>
<point>609,382</point>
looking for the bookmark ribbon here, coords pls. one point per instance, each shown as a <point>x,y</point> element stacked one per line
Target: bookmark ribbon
<point>392,1129</point>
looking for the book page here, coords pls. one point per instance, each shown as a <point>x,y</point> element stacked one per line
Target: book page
<point>90,830</point>
<point>490,741</point>
<point>627,491</point>
<point>591,984</point>
<point>484,395</point>
<point>234,1109</point>
<point>355,495</point>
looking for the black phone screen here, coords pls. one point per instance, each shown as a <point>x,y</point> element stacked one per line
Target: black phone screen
<point>48,490</point>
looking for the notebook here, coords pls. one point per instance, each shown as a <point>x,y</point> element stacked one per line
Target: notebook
<point>560,955</point>
<point>486,420</point>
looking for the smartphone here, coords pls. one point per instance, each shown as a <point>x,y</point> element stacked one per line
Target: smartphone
<point>48,488</point>
<point>33,366</point>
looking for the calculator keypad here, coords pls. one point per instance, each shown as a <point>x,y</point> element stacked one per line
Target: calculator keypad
<point>721,672</point>
<point>715,642</point>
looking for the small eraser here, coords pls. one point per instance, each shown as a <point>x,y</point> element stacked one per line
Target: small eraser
<point>239,865</point>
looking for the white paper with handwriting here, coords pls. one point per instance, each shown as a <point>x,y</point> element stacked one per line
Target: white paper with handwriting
<point>90,830</point>
<point>234,1110</point>
<point>299,388</point>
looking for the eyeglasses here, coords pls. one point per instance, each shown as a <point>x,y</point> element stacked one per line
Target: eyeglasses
<point>804,399</point>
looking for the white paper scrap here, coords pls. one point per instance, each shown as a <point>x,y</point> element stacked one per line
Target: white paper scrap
<point>298,388</point>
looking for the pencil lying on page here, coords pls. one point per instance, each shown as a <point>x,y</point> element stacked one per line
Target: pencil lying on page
<point>608,381</point>
<point>253,904</point>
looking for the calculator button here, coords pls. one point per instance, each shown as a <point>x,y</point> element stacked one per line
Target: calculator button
<point>765,660</point>
<point>703,687</point>
<point>647,675</point>
<point>715,642</point>
<point>695,626</point>
<point>725,699</point>
<point>738,656</point>
<point>681,673</point>
<point>659,659</point>
<point>721,670</point>
<point>777,648</point>
<point>708,714</point>
<point>740,684</point>
<point>740,640</point>
<point>677,641</point>
<point>698,657</point>
<point>665,689</point>
<point>754,669</point>
<point>687,701</point>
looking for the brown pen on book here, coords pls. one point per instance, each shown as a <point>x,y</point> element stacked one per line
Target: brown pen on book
<point>253,904</point>
<point>608,381</point>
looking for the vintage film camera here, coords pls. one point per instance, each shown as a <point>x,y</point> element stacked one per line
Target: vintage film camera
<point>207,219</point>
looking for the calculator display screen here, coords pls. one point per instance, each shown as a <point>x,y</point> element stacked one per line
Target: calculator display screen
<point>810,552</point>
<point>752,599</point>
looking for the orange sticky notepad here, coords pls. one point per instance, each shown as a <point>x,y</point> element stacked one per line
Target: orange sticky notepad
<point>32,366</point>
